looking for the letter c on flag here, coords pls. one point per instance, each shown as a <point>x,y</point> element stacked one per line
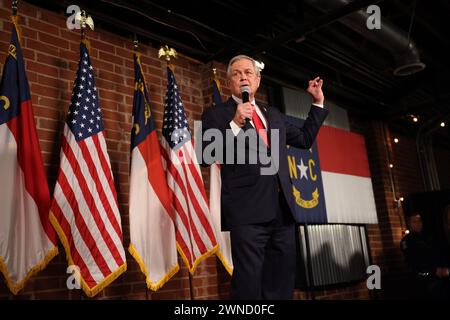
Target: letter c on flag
<point>6,105</point>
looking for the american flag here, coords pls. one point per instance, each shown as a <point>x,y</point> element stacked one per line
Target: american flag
<point>84,210</point>
<point>152,229</point>
<point>194,232</point>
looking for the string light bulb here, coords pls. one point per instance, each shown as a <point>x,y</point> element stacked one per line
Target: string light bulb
<point>396,140</point>
<point>442,124</point>
<point>391,165</point>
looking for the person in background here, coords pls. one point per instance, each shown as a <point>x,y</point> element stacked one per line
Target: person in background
<point>431,274</point>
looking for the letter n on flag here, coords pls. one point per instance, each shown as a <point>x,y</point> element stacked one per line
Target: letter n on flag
<point>84,210</point>
<point>194,231</point>
<point>27,239</point>
<point>152,228</point>
<point>331,181</point>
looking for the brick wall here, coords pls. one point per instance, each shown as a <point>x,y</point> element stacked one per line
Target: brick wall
<point>51,57</point>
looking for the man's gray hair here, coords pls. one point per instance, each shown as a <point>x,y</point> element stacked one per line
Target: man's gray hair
<point>240,57</point>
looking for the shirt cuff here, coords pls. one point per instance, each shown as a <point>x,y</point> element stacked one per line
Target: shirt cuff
<point>318,105</point>
<point>235,128</point>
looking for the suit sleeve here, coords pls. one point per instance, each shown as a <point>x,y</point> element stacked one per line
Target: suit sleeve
<point>303,137</point>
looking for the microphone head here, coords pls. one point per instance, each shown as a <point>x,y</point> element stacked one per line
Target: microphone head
<point>245,91</point>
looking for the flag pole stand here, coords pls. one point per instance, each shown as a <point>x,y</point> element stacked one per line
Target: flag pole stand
<point>191,286</point>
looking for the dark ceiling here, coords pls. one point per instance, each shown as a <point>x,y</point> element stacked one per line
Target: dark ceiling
<point>300,39</point>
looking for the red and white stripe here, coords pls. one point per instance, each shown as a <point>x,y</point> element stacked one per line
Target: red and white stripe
<point>346,177</point>
<point>86,213</point>
<point>27,239</point>
<point>194,232</point>
<point>152,229</point>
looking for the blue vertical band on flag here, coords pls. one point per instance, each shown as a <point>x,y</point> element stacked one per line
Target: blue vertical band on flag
<point>216,96</point>
<point>84,117</point>
<point>143,123</point>
<point>13,78</point>
<point>307,186</point>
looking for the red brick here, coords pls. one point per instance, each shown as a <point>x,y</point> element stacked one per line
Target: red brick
<point>110,58</point>
<point>42,69</point>
<point>45,90</point>
<point>56,41</point>
<point>110,76</point>
<point>39,25</point>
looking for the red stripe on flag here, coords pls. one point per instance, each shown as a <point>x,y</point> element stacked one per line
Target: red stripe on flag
<point>105,166</point>
<point>90,200</point>
<point>150,151</point>
<point>101,192</point>
<point>195,174</point>
<point>179,181</point>
<point>76,257</point>
<point>200,213</point>
<point>178,207</point>
<point>81,224</point>
<point>197,210</point>
<point>23,127</point>
<point>342,152</point>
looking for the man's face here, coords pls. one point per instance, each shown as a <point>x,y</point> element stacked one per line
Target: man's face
<point>243,74</point>
<point>416,223</point>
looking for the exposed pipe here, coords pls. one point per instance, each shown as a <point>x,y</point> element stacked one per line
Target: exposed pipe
<point>390,37</point>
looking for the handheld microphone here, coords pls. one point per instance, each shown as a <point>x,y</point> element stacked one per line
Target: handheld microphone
<point>245,92</point>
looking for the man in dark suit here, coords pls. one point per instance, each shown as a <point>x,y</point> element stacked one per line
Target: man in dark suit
<point>257,206</point>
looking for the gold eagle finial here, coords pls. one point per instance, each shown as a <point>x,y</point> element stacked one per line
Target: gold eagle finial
<point>167,53</point>
<point>84,20</point>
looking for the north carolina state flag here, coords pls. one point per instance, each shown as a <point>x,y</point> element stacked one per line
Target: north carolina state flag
<point>331,181</point>
<point>27,240</point>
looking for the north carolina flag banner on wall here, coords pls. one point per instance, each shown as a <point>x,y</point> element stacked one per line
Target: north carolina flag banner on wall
<point>84,210</point>
<point>27,239</point>
<point>215,189</point>
<point>331,181</point>
<point>195,234</point>
<point>152,229</point>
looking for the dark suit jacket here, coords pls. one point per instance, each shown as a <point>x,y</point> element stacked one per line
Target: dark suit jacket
<point>247,196</point>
